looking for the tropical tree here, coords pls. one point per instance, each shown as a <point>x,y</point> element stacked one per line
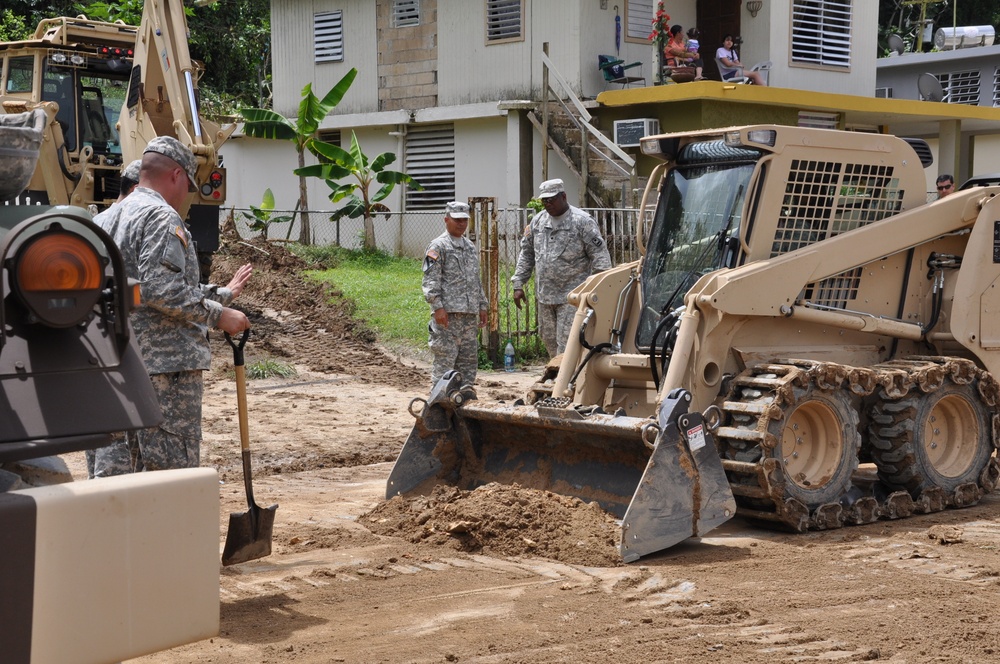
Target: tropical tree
<point>303,132</point>
<point>340,164</point>
<point>13,27</point>
<point>261,218</point>
<point>127,11</point>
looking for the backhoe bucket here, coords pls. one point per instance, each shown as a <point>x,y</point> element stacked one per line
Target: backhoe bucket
<point>554,447</point>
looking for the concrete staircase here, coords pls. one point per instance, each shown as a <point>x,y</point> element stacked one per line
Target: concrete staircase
<point>607,185</point>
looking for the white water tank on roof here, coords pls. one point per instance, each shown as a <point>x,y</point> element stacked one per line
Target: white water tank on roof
<point>947,39</point>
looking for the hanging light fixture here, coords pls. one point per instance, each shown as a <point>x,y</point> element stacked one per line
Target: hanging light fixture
<point>753,6</point>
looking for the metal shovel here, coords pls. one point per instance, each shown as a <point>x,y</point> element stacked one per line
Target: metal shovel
<point>249,535</point>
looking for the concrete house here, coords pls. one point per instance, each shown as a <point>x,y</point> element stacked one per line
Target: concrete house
<point>453,87</point>
<point>952,80</point>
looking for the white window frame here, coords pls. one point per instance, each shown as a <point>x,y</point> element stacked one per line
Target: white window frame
<point>328,36</point>
<point>821,33</point>
<point>430,160</point>
<point>638,20</point>
<point>405,13</point>
<point>500,21</point>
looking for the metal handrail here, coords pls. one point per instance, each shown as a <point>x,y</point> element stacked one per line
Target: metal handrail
<point>585,116</point>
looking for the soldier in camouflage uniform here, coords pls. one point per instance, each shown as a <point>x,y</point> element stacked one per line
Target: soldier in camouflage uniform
<point>171,325</point>
<point>455,293</point>
<point>128,182</point>
<point>565,246</point>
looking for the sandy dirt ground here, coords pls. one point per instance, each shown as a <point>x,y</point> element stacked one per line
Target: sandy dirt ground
<point>353,578</point>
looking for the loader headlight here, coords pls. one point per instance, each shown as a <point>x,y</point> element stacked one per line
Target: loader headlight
<point>666,148</point>
<point>733,139</point>
<point>762,136</point>
<point>58,276</point>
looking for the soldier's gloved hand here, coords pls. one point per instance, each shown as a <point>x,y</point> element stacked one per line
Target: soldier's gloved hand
<point>441,317</point>
<point>519,298</point>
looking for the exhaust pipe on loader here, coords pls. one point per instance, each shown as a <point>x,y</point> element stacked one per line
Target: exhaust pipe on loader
<point>664,480</point>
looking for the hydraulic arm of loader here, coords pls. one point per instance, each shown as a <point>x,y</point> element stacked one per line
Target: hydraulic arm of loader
<point>163,97</point>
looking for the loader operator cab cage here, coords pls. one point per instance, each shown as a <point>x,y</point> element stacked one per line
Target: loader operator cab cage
<point>89,105</point>
<point>695,228</point>
<point>89,91</point>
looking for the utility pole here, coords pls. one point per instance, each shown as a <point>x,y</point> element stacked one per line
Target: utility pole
<point>923,20</point>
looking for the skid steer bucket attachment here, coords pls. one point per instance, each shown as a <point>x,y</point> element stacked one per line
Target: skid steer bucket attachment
<point>552,446</point>
<point>684,491</point>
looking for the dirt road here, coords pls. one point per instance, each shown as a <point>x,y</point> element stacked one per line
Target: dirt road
<point>919,590</point>
<point>334,592</point>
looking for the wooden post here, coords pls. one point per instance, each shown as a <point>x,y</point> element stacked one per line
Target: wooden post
<point>484,210</point>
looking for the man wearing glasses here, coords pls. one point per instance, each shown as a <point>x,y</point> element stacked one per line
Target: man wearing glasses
<point>945,185</point>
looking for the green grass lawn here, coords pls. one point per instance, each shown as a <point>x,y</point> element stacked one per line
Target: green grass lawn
<point>385,291</point>
<point>387,296</point>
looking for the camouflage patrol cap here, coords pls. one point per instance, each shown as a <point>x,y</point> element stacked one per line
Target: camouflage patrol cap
<point>169,146</point>
<point>457,210</point>
<point>551,188</point>
<point>131,172</point>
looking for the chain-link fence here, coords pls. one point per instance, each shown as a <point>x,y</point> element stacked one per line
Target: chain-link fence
<point>496,231</point>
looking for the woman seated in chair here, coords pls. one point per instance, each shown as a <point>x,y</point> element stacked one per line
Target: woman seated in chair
<point>677,54</point>
<point>730,65</point>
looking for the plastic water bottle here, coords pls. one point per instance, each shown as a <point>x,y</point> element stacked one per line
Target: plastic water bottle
<point>508,357</point>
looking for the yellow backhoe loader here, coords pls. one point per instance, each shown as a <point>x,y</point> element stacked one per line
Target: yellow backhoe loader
<point>805,341</point>
<point>110,88</point>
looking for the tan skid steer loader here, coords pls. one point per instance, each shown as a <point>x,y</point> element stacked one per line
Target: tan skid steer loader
<point>805,341</point>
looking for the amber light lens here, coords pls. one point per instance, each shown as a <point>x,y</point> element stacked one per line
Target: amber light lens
<point>59,262</point>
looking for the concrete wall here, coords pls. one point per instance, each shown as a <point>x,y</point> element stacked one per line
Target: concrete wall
<point>407,60</point>
<point>900,73</point>
<point>773,27</point>
<point>294,63</point>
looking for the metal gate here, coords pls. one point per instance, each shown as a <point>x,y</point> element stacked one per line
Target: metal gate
<point>498,233</point>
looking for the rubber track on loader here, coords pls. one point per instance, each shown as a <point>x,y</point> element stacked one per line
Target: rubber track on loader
<point>760,395</point>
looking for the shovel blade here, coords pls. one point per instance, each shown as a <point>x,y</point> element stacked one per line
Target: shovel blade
<point>249,535</point>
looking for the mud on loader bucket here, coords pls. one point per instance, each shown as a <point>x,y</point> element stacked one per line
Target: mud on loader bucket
<point>663,479</point>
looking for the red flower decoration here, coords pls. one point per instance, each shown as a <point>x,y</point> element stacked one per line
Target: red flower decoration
<point>661,24</point>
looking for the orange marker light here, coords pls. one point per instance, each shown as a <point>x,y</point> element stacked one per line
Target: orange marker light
<point>59,262</point>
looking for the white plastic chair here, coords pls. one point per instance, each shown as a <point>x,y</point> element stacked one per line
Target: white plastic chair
<point>738,78</point>
<point>763,68</point>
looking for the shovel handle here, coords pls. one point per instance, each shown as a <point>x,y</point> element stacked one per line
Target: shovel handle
<point>238,359</point>
<point>241,391</point>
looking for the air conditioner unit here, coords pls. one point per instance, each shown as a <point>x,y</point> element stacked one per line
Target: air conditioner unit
<point>628,132</point>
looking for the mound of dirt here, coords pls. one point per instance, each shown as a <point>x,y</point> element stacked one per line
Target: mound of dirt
<point>502,520</point>
<point>299,321</point>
